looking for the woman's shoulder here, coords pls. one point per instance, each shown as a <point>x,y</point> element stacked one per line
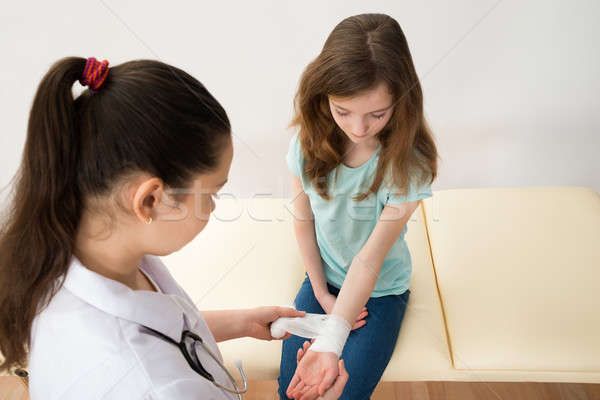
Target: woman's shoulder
<point>73,345</point>
<point>67,316</point>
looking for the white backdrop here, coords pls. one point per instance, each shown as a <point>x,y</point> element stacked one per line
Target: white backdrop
<point>511,87</point>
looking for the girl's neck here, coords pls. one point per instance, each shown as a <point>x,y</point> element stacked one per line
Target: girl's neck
<point>356,154</point>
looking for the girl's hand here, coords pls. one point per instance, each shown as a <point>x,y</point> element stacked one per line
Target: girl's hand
<point>336,390</point>
<point>258,321</point>
<point>327,301</point>
<point>316,370</point>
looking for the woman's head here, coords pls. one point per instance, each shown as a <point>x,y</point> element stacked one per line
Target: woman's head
<point>163,219</point>
<point>151,142</point>
<point>363,85</point>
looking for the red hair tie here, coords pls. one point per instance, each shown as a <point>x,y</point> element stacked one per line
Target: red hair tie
<point>94,74</point>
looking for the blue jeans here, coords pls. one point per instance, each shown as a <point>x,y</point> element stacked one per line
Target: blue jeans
<point>368,349</point>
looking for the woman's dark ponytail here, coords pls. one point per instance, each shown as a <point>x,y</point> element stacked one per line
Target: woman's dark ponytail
<point>37,234</point>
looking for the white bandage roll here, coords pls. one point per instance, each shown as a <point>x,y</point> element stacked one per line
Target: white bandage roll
<point>333,335</point>
<point>308,326</point>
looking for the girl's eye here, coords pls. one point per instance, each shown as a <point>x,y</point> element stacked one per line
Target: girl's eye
<point>379,116</point>
<point>341,114</point>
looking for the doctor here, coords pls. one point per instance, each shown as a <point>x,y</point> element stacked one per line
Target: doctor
<point>83,292</point>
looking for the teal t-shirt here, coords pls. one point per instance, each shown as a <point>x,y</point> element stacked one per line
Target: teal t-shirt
<point>343,225</point>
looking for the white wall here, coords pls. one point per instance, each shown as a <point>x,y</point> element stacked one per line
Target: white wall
<point>511,87</point>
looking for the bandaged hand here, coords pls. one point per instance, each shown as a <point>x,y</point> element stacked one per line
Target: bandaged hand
<point>327,301</point>
<point>314,375</point>
<point>334,392</point>
<point>319,367</point>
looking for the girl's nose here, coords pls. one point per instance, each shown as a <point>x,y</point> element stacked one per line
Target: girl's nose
<point>360,128</point>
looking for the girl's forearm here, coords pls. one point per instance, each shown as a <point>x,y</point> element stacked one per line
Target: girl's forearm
<point>309,250</point>
<point>356,290</point>
<point>366,265</point>
<point>304,228</point>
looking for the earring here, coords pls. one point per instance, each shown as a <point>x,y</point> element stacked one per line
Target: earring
<point>149,221</point>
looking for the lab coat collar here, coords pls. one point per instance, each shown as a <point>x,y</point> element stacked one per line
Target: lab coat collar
<point>164,312</point>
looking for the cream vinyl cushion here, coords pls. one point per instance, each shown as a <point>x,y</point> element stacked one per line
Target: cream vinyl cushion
<point>519,276</point>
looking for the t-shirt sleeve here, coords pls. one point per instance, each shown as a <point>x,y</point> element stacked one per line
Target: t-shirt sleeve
<point>415,191</point>
<point>294,158</point>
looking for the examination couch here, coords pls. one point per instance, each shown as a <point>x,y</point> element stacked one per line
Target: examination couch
<point>505,283</point>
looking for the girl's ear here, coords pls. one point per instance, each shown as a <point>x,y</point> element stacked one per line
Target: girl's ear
<point>147,197</point>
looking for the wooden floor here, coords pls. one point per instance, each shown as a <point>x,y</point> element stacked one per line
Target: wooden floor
<point>13,388</point>
<point>267,390</point>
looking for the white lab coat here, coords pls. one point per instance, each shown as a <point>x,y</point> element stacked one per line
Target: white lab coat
<point>89,342</point>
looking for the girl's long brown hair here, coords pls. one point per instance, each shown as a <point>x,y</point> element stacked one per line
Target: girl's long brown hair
<point>360,52</point>
<point>147,116</point>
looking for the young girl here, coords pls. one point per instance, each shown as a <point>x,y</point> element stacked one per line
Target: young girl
<point>110,180</point>
<point>362,160</point>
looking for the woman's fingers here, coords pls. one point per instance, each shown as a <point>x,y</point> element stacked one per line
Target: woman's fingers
<point>289,312</point>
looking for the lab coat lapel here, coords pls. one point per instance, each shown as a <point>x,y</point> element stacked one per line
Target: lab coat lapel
<point>157,270</point>
<point>159,311</point>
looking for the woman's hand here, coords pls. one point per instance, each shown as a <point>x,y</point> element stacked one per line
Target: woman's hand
<point>318,371</point>
<point>258,322</point>
<point>334,391</point>
<point>327,301</point>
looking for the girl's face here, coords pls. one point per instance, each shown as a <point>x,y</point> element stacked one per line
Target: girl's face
<point>362,116</point>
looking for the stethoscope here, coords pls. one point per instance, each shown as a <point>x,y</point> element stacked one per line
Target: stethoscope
<point>195,364</point>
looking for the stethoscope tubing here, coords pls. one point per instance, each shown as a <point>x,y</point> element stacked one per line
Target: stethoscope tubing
<point>201,371</point>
